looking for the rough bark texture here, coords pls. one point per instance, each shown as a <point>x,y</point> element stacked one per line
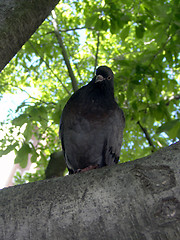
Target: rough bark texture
<point>18,21</point>
<point>133,201</point>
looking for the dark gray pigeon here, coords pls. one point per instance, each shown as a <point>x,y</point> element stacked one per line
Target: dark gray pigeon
<point>92,124</point>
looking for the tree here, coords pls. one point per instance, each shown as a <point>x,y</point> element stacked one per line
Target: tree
<point>19,20</point>
<point>138,200</point>
<point>138,40</point>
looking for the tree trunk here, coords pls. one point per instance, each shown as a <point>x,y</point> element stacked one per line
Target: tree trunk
<point>133,201</point>
<point>18,21</point>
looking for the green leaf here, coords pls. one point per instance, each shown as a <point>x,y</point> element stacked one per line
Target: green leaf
<point>43,158</point>
<point>19,121</point>
<point>140,31</point>
<point>34,153</point>
<point>34,113</point>
<point>28,131</point>
<point>39,114</point>
<point>172,128</point>
<point>142,106</point>
<point>160,37</point>
<point>169,57</point>
<point>56,113</point>
<point>152,91</point>
<point>43,116</point>
<point>129,92</point>
<point>178,133</point>
<point>8,149</point>
<point>22,155</point>
<point>114,28</point>
<point>90,21</point>
<point>105,25</point>
<point>159,112</point>
<point>125,32</point>
<point>34,157</point>
<point>121,98</point>
<point>21,106</point>
<point>99,24</point>
<point>125,18</point>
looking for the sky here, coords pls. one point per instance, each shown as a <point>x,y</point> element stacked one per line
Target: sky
<point>8,105</point>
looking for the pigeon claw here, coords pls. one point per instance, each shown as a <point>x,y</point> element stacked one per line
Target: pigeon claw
<point>91,167</point>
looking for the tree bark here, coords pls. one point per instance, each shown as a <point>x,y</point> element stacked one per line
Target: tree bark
<point>18,21</point>
<point>138,200</point>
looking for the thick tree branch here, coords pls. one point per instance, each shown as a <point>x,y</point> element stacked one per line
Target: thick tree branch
<point>147,136</point>
<point>64,52</point>
<point>78,71</point>
<point>138,200</point>
<point>18,21</point>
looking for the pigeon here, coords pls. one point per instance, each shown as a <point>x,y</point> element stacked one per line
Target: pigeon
<point>92,124</point>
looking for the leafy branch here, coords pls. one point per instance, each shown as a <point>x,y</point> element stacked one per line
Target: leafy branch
<point>169,37</point>
<point>64,52</point>
<point>42,59</point>
<point>72,29</point>
<point>77,28</point>
<point>36,99</point>
<point>147,136</point>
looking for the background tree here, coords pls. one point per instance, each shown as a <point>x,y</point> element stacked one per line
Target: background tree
<point>138,40</point>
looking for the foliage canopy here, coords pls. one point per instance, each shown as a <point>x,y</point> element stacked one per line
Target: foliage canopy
<point>138,40</point>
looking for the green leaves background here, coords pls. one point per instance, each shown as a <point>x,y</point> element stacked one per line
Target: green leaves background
<point>138,40</point>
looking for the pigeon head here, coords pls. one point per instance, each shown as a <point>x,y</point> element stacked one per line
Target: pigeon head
<point>104,73</point>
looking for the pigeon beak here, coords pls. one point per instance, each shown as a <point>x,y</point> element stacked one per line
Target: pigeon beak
<point>99,78</point>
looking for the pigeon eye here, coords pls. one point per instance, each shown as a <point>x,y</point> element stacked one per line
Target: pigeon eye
<point>108,78</point>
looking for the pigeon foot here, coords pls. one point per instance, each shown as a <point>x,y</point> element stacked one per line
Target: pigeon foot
<point>87,168</point>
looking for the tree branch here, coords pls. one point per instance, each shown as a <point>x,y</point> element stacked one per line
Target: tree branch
<point>47,65</point>
<point>176,97</point>
<point>19,20</point>
<point>77,68</point>
<point>64,52</point>
<point>70,29</point>
<point>97,51</point>
<point>77,28</point>
<point>137,200</point>
<point>160,50</point>
<point>36,99</point>
<point>147,136</point>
